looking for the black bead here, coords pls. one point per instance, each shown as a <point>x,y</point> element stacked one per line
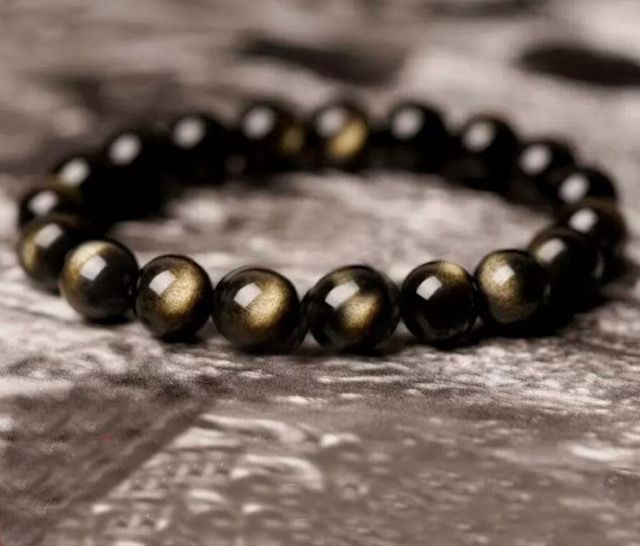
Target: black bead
<point>512,289</point>
<point>438,302</point>
<point>598,219</point>
<point>572,262</point>
<point>270,137</point>
<point>98,280</point>
<point>44,243</point>
<point>573,185</point>
<point>137,160</point>
<point>339,135</point>
<point>484,154</point>
<point>353,308</point>
<point>414,138</point>
<point>173,297</point>
<point>538,161</point>
<point>41,202</point>
<point>199,148</point>
<point>258,310</point>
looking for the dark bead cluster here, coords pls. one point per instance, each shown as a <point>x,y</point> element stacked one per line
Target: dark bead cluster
<point>355,308</point>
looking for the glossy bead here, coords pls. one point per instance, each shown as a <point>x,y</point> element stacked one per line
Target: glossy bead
<point>572,262</point>
<point>512,288</point>
<point>258,310</point>
<point>339,135</point>
<point>98,280</point>
<point>137,158</point>
<point>199,148</point>
<point>41,202</point>
<point>353,308</point>
<point>438,302</point>
<point>485,152</point>
<point>415,138</point>
<point>271,137</point>
<point>539,160</point>
<point>573,185</point>
<point>173,297</point>
<point>598,219</point>
<point>43,246</point>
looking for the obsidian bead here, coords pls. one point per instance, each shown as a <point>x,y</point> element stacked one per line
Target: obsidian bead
<point>512,288</point>
<point>98,280</point>
<point>438,302</point>
<point>598,219</point>
<point>44,243</point>
<point>353,308</point>
<point>173,297</point>
<point>573,264</point>
<point>573,185</point>
<point>41,202</point>
<point>271,138</point>
<point>339,135</point>
<point>199,148</point>
<point>258,310</point>
<point>485,150</point>
<point>137,160</point>
<point>414,138</point>
<point>538,161</point>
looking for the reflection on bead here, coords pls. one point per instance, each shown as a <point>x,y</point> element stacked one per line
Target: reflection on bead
<point>339,136</point>
<point>598,219</point>
<point>41,202</point>
<point>574,185</point>
<point>572,262</point>
<point>438,302</point>
<point>258,310</point>
<point>44,244</point>
<point>539,160</point>
<point>512,288</point>
<point>173,297</point>
<point>353,308</point>
<point>486,149</point>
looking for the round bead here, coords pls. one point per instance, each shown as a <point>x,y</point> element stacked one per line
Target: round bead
<point>539,160</point>
<point>199,148</point>
<point>271,137</point>
<point>415,138</point>
<point>512,288</point>
<point>438,302</point>
<point>598,219</point>
<point>574,185</point>
<point>173,297</point>
<point>573,264</point>
<point>43,246</point>
<point>258,310</point>
<point>353,308</point>
<point>98,280</point>
<point>485,151</point>
<point>41,202</point>
<point>339,136</point>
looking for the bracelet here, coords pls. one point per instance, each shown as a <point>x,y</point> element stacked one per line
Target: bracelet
<point>354,308</point>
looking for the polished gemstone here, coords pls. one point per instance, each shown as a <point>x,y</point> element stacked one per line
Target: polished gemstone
<point>538,161</point>
<point>40,202</point>
<point>574,185</point>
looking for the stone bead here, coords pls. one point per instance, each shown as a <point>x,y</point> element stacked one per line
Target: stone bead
<point>199,148</point>
<point>485,151</point>
<point>40,202</point>
<point>572,262</point>
<point>339,136</point>
<point>271,138</point>
<point>512,289</point>
<point>438,302</point>
<point>598,219</point>
<point>414,138</point>
<point>44,243</point>
<point>98,280</point>
<point>258,310</point>
<point>574,185</point>
<point>354,308</point>
<point>173,297</point>
<point>538,161</point>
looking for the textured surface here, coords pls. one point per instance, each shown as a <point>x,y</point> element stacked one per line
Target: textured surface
<point>109,437</point>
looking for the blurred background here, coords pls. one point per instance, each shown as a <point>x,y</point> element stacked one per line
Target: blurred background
<point>109,437</point>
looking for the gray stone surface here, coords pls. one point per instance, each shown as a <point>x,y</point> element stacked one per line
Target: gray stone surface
<point>109,437</point>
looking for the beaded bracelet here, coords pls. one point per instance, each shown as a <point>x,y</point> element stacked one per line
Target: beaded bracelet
<point>354,308</point>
